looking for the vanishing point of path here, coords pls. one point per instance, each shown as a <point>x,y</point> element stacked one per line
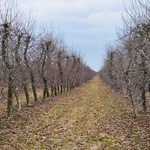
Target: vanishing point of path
<point>92,117</point>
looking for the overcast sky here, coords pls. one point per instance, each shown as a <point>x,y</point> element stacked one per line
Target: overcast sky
<point>87,24</point>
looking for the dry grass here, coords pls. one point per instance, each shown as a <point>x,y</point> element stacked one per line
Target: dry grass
<point>92,117</point>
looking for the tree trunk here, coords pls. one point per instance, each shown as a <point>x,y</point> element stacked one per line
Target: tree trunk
<point>144,105</point>
<point>26,94</point>
<point>10,96</point>
<point>64,89</point>
<point>61,89</point>
<point>6,60</point>
<point>67,88</point>
<point>45,88</point>
<point>133,105</point>
<point>45,93</point>
<point>55,90</point>
<point>29,68</point>
<point>48,95</point>
<point>17,98</point>
<point>52,91</point>
<point>33,88</point>
<point>58,88</point>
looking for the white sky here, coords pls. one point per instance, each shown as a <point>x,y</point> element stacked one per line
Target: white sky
<point>87,24</point>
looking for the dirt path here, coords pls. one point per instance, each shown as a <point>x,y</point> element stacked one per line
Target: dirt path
<point>92,117</point>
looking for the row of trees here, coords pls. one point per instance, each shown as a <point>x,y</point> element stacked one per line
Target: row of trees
<point>127,65</point>
<point>33,59</point>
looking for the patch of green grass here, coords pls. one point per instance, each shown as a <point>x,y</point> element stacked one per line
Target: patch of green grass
<point>2,137</point>
<point>19,117</point>
<point>2,123</point>
<point>56,109</point>
<point>137,139</point>
<point>112,110</point>
<point>30,143</point>
<point>22,124</point>
<point>107,140</point>
<point>17,138</point>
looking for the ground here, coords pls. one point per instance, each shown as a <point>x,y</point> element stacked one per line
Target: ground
<point>92,117</point>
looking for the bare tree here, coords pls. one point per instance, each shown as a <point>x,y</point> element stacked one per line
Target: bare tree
<point>132,54</point>
<point>29,59</point>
